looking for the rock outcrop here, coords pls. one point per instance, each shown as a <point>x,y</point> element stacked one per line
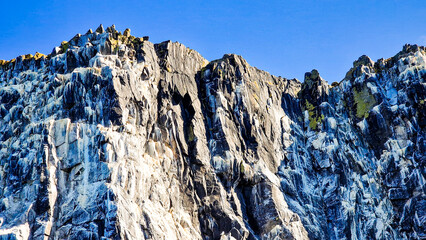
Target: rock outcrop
<point>113,137</point>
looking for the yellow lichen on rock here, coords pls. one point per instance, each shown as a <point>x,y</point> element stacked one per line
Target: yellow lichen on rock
<point>64,46</point>
<point>314,120</point>
<point>5,63</point>
<point>114,44</point>
<point>126,32</point>
<point>364,101</point>
<point>204,64</point>
<point>191,135</point>
<point>38,55</point>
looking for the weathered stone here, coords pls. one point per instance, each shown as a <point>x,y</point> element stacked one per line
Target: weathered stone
<point>126,32</point>
<point>398,194</point>
<point>125,139</point>
<point>100,29</point>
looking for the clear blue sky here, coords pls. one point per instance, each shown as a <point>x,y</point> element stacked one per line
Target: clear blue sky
<point>285,38</point>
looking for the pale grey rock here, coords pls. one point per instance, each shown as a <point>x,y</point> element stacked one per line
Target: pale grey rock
<point>120,138</point>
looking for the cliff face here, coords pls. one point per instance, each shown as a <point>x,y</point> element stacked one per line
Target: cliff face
<point>112,136</point>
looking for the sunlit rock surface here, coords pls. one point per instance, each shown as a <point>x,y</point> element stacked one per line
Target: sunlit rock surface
<point>113,137</point>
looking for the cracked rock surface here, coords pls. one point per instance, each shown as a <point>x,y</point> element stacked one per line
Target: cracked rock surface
<point>113,137</point>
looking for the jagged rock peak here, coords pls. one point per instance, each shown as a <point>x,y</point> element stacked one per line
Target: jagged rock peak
<point>234,59</point>
<point>363,65</point>
<point>82,48</point>
<point>412,48</point>
<point>363,60</point>
<point>314,85</point>
<point>100,29</point>
<point>236,69</point>
<point>111,29</point>
<point>127,32</point>
<point>313,77</point>
<point>314,91</point>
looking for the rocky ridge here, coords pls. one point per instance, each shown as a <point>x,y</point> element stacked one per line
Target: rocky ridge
<point>113,137</point>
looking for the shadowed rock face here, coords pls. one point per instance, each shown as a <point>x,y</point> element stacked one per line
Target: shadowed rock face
<point>114,137</point>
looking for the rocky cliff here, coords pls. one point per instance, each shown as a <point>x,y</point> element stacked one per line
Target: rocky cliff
<point>113,137</point>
